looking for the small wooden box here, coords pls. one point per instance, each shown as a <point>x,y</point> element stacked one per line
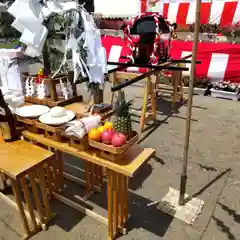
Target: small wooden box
<point>29,124</point>
<point>81,144</point>
<point>52,132</point>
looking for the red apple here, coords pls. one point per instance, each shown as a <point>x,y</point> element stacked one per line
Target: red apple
<point>119,139</point>
<point>107,135</point>
<point>111,130</point>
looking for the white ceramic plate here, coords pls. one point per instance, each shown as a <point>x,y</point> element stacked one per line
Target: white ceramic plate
<point>32,111</point>
<point>57,121</point>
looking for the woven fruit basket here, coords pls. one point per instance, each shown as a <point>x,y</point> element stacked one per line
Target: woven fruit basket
<point>112,153</point>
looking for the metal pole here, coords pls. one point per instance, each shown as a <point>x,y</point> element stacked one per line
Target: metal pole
<point>189,105</point>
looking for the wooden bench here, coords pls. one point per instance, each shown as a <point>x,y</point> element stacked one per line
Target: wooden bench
<point>26,166</point>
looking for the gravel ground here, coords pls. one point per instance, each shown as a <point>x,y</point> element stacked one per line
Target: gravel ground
<point>213,176</point>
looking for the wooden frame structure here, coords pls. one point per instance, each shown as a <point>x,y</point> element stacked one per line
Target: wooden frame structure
<point>51,83</point>
<point>118,174</point>
<point>121,79</point>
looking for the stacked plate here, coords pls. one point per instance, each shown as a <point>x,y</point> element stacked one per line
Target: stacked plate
<point>55,116</point>
<point>32,111</point>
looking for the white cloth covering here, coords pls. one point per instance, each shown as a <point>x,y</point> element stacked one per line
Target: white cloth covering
<point>96,59</point>
<point>29,15</point>
<point>10,78</point>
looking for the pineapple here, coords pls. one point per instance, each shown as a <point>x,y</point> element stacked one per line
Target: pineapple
<point>122,122</point>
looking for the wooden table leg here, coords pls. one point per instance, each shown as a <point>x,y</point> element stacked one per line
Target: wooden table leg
<point>181,86</point>
<point>123,202</point>
<point>101,175</point>
<point>60,170</point>
<point>21,209</point>
<point>29,203</point>
<point>49,180</point>
<point>145,102</point>
<point>87,176</point>
<point>175,85</point>
<point>37,199</point>
<point>2,182</point>
<point>125,199</point>
<point>93,176</point>
<point>44,192</point>
<point>55,173</point>
<point>110,205</point>
<point>117,204</point>
<point>153,95</point>
<point>114,81</point>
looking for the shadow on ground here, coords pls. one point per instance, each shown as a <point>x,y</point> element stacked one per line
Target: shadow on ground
<point>143,214</point>
<point>165,110</point>
<point>140,216</point>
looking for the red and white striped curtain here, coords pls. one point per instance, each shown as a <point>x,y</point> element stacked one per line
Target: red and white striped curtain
<point>219,61</point>
<point>223,12</point>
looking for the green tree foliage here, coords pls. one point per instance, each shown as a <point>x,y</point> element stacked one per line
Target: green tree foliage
<point>6,31</point>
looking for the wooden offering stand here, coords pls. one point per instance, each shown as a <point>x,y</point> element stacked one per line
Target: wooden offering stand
<point>29,124</point>
<point>53,100</point>
<point>114,153</point>
<point>81,144</point>
<point>34,126</point>
<point>52,132</point>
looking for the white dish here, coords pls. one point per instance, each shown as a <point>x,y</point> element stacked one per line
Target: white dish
<point>57,121</point>
<point>32,111</point>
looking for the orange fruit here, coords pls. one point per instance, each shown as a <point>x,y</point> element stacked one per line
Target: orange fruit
<point>94,134</point>
<point>108,125</point>
<point>101,129</point>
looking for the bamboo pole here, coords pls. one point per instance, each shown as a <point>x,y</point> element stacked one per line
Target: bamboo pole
<point>189,105</point>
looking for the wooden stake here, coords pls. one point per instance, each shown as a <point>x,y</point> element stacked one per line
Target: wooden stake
<point>189,106</point>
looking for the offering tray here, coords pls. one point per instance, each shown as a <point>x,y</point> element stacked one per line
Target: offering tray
<point>114,153</point>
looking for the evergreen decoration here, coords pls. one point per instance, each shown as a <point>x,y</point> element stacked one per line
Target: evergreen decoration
<point>59,28</point>
<point>93,86</point>
<point>6,31</point>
